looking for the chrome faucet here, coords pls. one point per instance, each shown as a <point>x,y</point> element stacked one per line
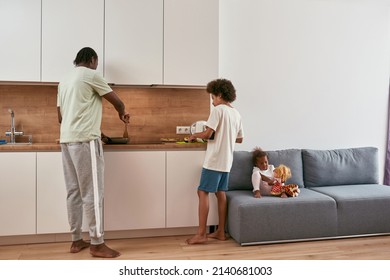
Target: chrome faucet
<point>13,131</point>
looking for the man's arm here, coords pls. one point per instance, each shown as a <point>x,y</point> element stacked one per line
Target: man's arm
<point>119,106</point>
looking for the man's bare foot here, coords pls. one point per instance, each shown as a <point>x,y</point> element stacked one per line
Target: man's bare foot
<point>220,235</point>
<point>197,239</point>
<point>78,245</point>
<point>103,251</point>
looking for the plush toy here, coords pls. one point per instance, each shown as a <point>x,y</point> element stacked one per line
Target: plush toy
<point>281,174</point>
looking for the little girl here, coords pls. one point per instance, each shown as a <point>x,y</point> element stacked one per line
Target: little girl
<point>262,174</point>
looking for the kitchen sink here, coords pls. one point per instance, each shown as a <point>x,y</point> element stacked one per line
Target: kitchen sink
<point>19,144</point>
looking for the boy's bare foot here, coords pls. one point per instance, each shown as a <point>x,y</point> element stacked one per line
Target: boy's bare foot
<point>197,239</point>
<point>78,245</point>
<point>218,235</point>
<point>103,251</point>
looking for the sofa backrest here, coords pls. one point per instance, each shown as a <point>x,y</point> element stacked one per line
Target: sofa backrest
<point>340,167</point>
<point>241,172</point>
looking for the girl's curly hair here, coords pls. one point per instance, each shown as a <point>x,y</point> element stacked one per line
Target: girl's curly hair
<point>257,153</point>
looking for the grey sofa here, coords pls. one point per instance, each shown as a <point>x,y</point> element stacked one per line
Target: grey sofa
<point>340,197</point>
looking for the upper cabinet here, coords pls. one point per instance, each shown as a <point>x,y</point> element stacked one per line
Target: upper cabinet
<point>134,42</point>
<point>67,27</point>
<point>139,42</point>
<point>170,42</point>
<point>20,33</point>
<point>190,41</point>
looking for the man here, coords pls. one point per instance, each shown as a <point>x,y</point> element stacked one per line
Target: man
<point>79,106</point>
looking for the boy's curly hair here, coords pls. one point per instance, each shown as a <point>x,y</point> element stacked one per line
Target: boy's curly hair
<point>257,153</point>
<point>222,87</point>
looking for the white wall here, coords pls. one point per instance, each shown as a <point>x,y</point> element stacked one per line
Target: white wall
<point>308,73</point>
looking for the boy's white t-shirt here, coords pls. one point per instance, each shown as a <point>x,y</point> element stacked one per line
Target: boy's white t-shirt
<point>227,124</point>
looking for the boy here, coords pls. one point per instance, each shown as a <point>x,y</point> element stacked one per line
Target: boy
<point>223,129</point>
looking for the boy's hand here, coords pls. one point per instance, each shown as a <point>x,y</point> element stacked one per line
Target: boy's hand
<point>192,138</point>
<point>257,194</point>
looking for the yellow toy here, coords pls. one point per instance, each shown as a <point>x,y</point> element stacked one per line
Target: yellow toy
<point>281,174</point>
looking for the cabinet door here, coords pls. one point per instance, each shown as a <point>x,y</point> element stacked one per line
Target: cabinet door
<point>134,195</point>
<point>51,194</point>
<point>183,175</point>
<point>67,27</point>
<point>52,213</point>
<point>20,33</point>
<point>190,41</point>
<point>17,193</point>
<point>133,41</point>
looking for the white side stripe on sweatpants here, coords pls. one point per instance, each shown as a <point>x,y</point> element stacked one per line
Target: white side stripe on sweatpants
<point>95,187</point>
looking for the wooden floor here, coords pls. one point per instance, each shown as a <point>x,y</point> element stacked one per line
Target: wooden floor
<point>175,248</point>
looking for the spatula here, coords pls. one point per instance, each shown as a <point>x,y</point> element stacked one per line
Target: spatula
<point>125,133</point>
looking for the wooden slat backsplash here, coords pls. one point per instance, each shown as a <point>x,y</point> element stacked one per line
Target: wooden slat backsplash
<point>155,112</point>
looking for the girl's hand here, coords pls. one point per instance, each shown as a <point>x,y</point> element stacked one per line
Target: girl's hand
<point>271,182</point>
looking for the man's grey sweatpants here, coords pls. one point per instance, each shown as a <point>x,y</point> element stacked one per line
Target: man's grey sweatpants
<point>83,165</point>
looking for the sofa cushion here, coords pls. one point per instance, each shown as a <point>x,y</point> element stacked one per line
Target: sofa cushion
<point>293,159</point>
<point>240,177</point>
<point>361,209</point>
<point>241,171</point>
<point>252,220</point>
<point>340,167</point>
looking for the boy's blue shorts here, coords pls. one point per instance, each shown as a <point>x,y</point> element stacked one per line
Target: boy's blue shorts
<point>213,181</point>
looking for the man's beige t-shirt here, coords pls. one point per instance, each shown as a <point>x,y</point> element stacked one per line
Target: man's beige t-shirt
<point>80,100</point>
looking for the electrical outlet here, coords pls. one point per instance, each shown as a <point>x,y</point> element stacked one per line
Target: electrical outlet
<point>183,130</point>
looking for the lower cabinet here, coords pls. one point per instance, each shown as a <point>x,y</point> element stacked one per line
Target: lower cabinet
<point>51,194</point>
<point>134,191</point>
<point>143,190</point>
<point>52,213</point>
<point>17,193</point>
<point>183,175</point>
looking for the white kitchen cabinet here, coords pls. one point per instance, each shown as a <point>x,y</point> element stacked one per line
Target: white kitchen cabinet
<point>52,213</point>
<point>17,193</point>
<point>143,190</point>
<point>183,175</point>
<point>51,194</point>
<point>134,41</point>
<point>190,41</point>
<point>134,195</point>
<point>67,27</point>
<point>20,33</point>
